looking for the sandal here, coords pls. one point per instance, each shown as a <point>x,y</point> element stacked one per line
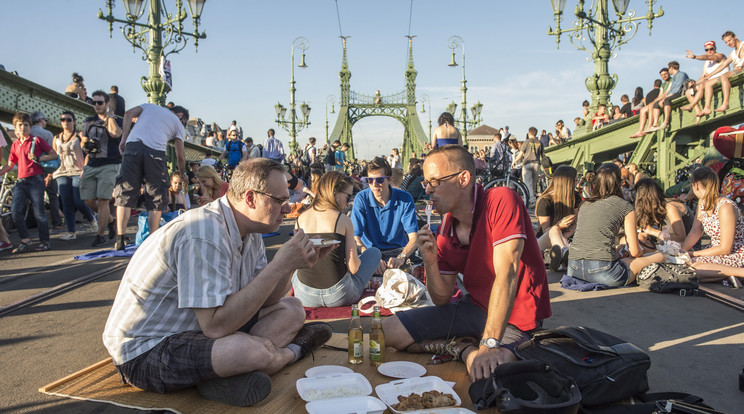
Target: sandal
<point>22,248</point>
<point>42,247</point>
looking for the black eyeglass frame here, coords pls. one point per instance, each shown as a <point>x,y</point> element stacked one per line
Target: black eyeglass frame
<point>282,201</point>
<point>425,183</point>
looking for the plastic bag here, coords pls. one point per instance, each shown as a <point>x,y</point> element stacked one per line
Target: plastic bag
<point>399,291</point>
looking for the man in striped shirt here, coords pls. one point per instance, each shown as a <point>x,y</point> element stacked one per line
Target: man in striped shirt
<point>200,305</point>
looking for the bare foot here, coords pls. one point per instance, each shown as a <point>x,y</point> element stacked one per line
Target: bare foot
<point>638,134</point>
<point>697,119</point>
<point>687,108</point>
<point>706,111</point>
<point>722,108</point>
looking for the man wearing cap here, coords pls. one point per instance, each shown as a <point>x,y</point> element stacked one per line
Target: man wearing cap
<point>714,67</point>
<point>38,129</point>
<point>235,149</point>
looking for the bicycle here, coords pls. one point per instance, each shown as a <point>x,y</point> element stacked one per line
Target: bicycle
<point>499,175</point>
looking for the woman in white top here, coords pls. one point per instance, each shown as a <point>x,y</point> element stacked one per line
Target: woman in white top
<point>394,158</point>
<point>67,145</point>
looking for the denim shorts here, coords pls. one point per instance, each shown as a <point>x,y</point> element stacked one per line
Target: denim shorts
<point>615,273</point>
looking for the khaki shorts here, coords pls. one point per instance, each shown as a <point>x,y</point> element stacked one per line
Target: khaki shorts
<point>98,182</point>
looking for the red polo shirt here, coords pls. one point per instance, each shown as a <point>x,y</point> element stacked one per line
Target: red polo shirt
<point>499,215</point>
<point>19,155</point>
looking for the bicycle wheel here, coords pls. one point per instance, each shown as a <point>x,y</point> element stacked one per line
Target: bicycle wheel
<point>515,184</point>
<point>5,214</point>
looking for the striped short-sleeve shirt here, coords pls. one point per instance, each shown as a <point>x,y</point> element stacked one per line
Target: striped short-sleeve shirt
<point>195,261</point>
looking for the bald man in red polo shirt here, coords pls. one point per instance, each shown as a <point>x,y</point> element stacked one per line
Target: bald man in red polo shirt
<point>488,237</point>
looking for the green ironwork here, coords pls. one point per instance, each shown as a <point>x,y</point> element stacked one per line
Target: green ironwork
<point>605,34</point>
<point>293,125</point>
<point>161,30</point>
<point>400,106</point>
<point>660,153</point>
<point>18,94</point>
<point>462,120</point>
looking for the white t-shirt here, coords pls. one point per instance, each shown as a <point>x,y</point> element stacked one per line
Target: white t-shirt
<point>156,126</point>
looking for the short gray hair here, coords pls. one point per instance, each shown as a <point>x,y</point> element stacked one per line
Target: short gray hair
<point>251,175</point>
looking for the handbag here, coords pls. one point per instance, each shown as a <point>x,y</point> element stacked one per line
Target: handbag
<point>49,166</point>
<point>399,291</point>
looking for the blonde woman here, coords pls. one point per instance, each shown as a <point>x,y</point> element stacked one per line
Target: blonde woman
<point>339,278</point>
<point>211,185</point>
<point>723,222</point>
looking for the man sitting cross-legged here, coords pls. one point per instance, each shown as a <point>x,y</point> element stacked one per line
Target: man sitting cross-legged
<point>487,236</point>
<point>200,305</point>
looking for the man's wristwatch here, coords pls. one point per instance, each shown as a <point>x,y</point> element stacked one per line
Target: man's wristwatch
<point>402,256</point>
<point>490,343</point>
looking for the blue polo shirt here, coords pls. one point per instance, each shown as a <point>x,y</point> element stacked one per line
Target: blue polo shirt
<point>384,227</point>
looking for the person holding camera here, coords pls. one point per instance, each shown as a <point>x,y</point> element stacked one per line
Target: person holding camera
<point>100,140</point>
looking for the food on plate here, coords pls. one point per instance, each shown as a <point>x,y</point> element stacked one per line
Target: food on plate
<point>323,242</point>
<point>429,399</point>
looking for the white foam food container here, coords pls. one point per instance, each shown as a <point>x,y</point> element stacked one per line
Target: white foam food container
<point>389,392</point>
<point>333,386</point>
<point>348,405</point>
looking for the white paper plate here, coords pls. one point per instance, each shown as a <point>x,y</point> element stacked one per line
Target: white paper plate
<point>321,242</point>
<point>401,369</point>
<point>326,370</point>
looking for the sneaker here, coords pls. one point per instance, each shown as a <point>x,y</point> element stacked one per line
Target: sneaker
<point>239,390</point>
<point>121,243</point>
<point>99,240</point>
<point>94,226</point>
<point>5,246</point>
<point>311,337</point>
<point>112,229</point>
<point>556,257</point>
<point>68,236</point>
<point>453,348</point>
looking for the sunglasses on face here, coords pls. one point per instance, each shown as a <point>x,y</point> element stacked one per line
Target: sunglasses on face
<point>709,50</point>
<point>376,180</point>
<point>99,102</point>
<point>66,119</point>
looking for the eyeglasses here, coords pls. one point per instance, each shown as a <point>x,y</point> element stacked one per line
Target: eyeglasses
<point>348,195</point>
<point>282,201</point>
<point>709,50</point>
<point>377,180</point>
<point>99,102</point>
<point>436,182</point>
<point>65,119</point>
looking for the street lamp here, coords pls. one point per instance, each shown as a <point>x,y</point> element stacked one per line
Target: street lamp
<point>153,36</point>
<point>604,34</point>
<point>332,100</point>
<point>453,43</point>
<point>425,98</point>
<point>293,125</point>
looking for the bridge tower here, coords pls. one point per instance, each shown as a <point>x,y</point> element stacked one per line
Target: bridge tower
<point>401,106</point>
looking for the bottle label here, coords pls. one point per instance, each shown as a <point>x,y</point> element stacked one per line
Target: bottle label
<point>374,351</point>
<point>358,349</point>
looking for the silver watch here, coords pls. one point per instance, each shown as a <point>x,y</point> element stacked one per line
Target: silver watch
<point>490,343</point>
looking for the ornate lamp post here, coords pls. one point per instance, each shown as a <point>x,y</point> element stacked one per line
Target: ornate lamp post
<point>425,98</point>
<point>453,43</point>
<point>293,125</point>
<point>604,34</point>
<point>332,100</point>
<point>153,36</point>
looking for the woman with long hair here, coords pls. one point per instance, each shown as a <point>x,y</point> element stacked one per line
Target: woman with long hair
<point>555,212</point>
<point>638,101</point>
<point>723,222</point>
<point>659,218</point>
<point>339,278</point>
<point>211,184</point>
<point>72,160</point>
<point>593,255</point>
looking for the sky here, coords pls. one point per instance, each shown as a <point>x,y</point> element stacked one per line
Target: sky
<point>242,69</point>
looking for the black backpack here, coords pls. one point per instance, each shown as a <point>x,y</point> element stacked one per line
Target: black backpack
<point>606,368</point>
<point>667,277</point>
<point>305,159</point>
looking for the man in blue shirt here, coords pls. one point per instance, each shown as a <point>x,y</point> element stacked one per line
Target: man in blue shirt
<point>340,157</point>
<point>384,217</point>
<point>273,148</point>
<point>676,89</point>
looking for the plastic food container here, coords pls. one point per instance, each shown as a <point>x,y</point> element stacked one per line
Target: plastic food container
<point>333,386</point>
<point>389,393</point>
<point>348,405</point>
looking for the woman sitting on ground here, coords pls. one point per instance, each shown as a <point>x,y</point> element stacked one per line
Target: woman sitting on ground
<point>658,218</point>
<point>601,220</point>
<point>339,278</point>
<point>723,222</point>
<point>555,212</point>
<point>211,185</point>
<point>414,186</point>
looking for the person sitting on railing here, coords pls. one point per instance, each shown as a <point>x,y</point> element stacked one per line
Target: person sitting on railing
<point>562,133</point>
<point>676,89</point>
<point>446,133</point>
<point>637,102</point>
<point>625,110</point>
<point>715,66</point>
<point>735,58</point>
<point>600,117</point>
<point>650,102</point>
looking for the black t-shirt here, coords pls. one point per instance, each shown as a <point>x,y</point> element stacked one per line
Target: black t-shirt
<point>108,153</point>
<point>652,95</point>
<point>546,208</point>
<point>626,110</point>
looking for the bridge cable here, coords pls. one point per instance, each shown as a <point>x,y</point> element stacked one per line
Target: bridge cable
<point>410,16</point>
<point>338,16</point>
